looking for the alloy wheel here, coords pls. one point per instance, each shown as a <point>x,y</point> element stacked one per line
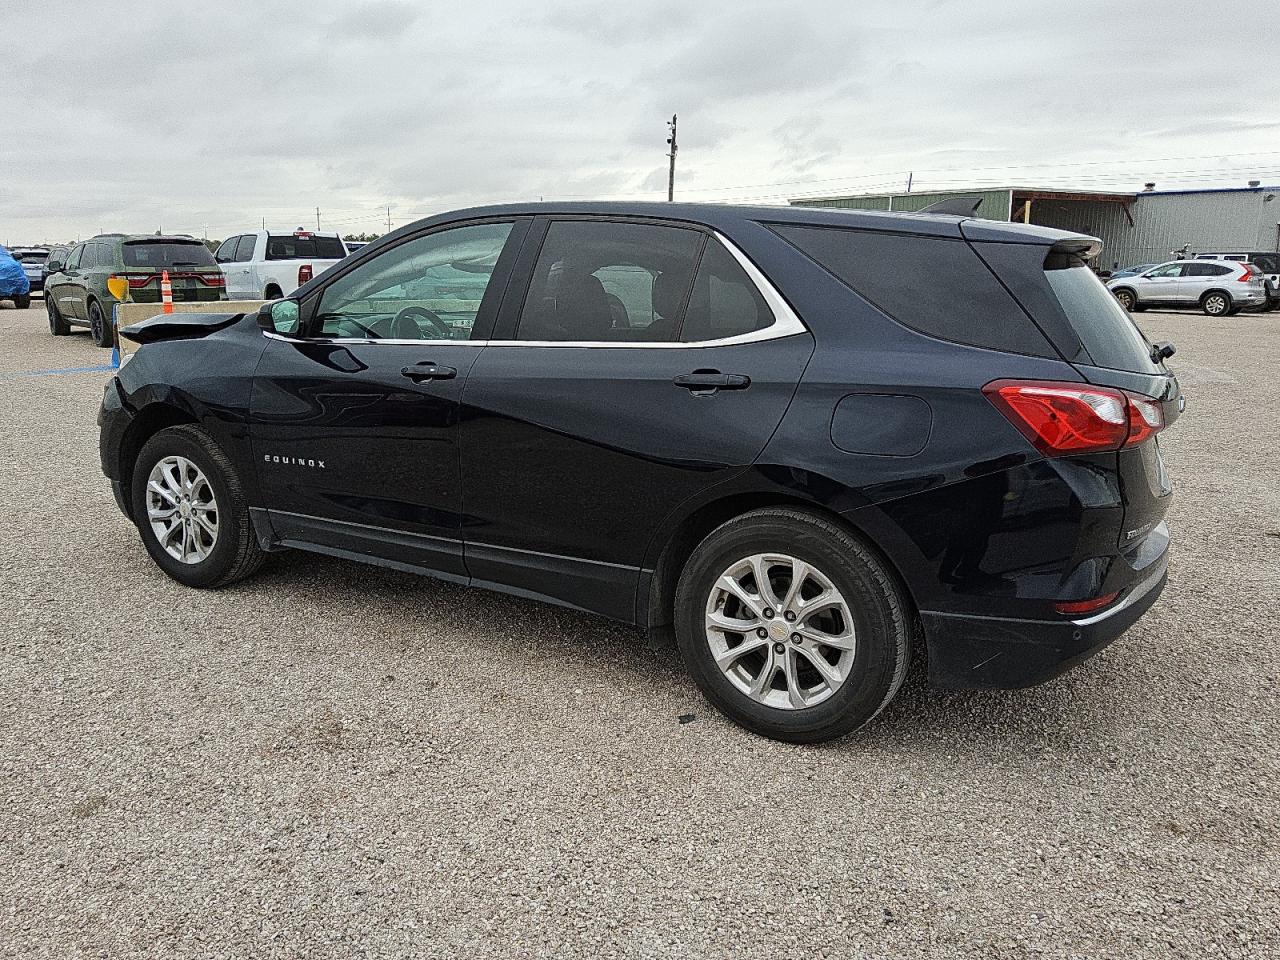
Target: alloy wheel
<point>182,509</point>
<point>1215,304</point>
<point>780,631</point>
<point>1126,299</point>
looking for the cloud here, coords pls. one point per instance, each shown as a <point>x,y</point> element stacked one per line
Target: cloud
<point>220,121</point>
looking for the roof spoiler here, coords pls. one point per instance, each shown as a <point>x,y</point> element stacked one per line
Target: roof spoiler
<point>954,207</point>
<point>1086,248</point>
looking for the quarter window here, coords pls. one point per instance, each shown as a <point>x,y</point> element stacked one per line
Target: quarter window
<point>430,288</point>
<point>724,302</point>
<point>599,281</point>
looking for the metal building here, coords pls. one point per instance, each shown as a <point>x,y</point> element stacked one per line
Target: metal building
<point>1145,227</point>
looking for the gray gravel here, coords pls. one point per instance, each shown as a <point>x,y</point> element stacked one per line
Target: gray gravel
<point>338,761</point>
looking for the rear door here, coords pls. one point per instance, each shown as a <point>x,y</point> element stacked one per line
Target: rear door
<point>355,411</point>
<point>635,365</point>
<point>61,284</point>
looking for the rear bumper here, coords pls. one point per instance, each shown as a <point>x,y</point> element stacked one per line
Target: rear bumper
<point>973,652</point>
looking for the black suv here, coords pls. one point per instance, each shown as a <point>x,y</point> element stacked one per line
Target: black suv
<point>801,440</point>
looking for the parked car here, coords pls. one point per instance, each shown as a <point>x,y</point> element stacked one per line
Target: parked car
<point>14,285</point>
<point>266,266</point>
<point>77,294</point>
<point>1132,271</point>
<point>1266,261</point>
<point>1217,288</point>
<point>33,264</point>
<point>804,433</point>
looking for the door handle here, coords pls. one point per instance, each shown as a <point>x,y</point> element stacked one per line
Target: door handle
<point>428,371</point>
<point>708,381</point>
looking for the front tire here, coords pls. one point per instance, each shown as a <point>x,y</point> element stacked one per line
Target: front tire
<point>1127,298</point>
<point>58,325</point>
<point>99,326</point>
<point>272,293</point>
<point>190,509</point>
<point>1215,303</point>
<point>815,653</point>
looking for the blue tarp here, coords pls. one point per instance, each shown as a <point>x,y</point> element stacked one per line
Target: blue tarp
<point>13,279</point>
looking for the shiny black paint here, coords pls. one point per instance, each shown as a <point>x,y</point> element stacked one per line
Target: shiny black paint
<point>578,475</point>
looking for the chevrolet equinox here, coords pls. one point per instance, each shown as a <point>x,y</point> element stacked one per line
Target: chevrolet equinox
<point>799,440</point>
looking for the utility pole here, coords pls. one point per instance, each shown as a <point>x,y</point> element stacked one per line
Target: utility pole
<point>317,219</point>
<point>910,176</point>
<point>388,219</point>
<point>671,171</point>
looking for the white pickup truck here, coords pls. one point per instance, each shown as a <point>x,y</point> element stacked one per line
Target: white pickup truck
<point>267,266</point>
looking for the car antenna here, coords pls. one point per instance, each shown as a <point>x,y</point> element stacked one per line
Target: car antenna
<point>954,207</point>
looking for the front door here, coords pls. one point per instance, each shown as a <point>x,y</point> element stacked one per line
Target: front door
<point>71,286</point>
<point>1161,284</point>
<point>355,412</point>
<point>643,366</point>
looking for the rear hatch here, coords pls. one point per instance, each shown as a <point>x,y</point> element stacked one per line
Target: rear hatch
<point>1099,338</point>
<point>193,273</point>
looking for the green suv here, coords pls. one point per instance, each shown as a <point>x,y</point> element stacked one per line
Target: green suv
<point>77,292</point>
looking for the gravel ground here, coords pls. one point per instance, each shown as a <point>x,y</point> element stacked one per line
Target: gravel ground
<point>338,761</point>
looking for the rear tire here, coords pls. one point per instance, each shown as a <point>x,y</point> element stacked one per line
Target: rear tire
<point>215,500</point>
<point>1215,303</point>
<point>100,326</point>
<point>22,301</point>
<point>58,325</point>
<point>774,687</point>
<point>1128,299</point>
<point>273,293</point>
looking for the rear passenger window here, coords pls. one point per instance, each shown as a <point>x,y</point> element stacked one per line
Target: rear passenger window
<point>935,285</point>
<point>1206,270</point>
<point>597,281</point>
<point>244,250</point>
<point>724,302</point>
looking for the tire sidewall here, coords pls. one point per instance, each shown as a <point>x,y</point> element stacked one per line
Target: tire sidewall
<point>211,570</point>
<point>874,672</point>
<point>97,327</point>
<point>1127,299</point>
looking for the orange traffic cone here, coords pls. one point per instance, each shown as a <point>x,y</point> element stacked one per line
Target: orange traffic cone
<point>166,291</point>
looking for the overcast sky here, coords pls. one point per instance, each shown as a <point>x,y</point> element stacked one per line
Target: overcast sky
<point>212,116</point>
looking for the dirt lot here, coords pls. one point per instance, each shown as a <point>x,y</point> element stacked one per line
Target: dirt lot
<point>339,761</point>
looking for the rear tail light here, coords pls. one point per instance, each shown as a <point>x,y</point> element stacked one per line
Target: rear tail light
<point>136,280</point>
<point>212,279</point>
<point>1062,419</point>
<point>1250,274</point>
<point>304,273</point>
<point>1077,607</point>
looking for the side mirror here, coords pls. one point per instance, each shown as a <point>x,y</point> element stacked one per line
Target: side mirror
<point>1163,350</point>
<point>279,316</point>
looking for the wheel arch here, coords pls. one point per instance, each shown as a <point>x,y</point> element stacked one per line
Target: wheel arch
<point>146,423</point>
<point>266,293</point>
<point>1212,290</point>
<point>655,606</point>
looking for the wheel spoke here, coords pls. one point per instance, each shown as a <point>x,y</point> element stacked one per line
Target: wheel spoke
<point>182,509</point>
<point>789,667</point>
<point>823,601</point>
<point>825,670</point>
<point>763,682</point>
<point>160,491</point>
<point>716,620</point>
<point>799,574</point>
<point>760,568</point>
<point>840,641</point>
<point>730,656</point>
<point>730,585</point>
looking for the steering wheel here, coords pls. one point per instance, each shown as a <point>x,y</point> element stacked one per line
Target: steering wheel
<point>440,329</point>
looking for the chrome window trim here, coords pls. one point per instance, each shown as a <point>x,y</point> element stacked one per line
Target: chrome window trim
<point>786,323</point>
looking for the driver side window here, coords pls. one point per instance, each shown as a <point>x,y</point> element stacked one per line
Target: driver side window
<point>430,288</point>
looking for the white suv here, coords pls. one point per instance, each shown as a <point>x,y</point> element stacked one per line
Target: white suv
<point>1267,262</point>
<point>1216,287</point>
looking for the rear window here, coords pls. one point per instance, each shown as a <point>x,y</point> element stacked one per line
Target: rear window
<point>167,253</point>
<point>1105,328</point>
<point>34,256</point>
<point>935,285</point>
<point>305,248</point>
